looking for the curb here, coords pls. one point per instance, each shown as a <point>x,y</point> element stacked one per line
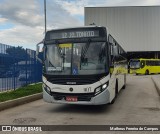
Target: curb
<point>157,85</point>
<point>20,101</point>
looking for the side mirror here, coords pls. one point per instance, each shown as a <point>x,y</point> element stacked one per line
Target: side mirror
<point>37,51</point>
<point>142,64</point>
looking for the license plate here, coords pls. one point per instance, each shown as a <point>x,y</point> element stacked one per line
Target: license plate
<point>71,98</point>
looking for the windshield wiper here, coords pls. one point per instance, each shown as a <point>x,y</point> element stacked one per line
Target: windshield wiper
<point>51,64</point>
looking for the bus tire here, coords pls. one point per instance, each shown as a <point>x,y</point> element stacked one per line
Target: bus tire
<point>147,72</point>
<point>116,92</point>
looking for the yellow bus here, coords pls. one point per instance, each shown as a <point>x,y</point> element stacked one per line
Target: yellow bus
<point>144,66</point>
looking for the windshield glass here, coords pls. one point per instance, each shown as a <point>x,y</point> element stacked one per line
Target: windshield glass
<point>134,64</point>
<point>75,59</point>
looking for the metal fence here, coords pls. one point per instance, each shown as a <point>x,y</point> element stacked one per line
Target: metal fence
<point>18,67</point>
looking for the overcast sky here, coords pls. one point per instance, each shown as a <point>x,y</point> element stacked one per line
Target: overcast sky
<point>22,21</point>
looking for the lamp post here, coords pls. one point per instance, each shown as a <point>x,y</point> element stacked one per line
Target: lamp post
<point>45,15</point>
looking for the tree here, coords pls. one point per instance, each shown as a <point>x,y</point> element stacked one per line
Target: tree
<point>18,53</point>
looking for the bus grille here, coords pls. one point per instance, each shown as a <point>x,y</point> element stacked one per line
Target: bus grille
<point>72,81</point>
<point>80,96</point>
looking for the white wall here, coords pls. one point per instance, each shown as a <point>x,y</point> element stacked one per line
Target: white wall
<point>135,28</point>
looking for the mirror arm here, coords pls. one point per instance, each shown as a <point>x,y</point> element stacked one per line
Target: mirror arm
<point>37,51</point>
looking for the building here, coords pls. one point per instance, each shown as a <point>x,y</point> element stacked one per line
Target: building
<point>136,28</point>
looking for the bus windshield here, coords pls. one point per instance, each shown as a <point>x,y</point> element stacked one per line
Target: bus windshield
<point>75,58</point>
<point>134,64</point>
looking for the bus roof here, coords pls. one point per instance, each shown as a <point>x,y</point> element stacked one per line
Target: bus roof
<point>91,26</point>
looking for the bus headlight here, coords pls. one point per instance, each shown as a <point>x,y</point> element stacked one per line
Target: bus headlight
<point>104,86</point>
<point>101,88</point>
<point>47,89</point>
<point>97,90</point>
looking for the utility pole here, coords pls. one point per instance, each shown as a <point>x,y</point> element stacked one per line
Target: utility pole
<point>45,16</point>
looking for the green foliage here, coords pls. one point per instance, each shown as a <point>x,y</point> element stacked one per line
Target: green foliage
<point>17,52</point>
<point>21,92</point>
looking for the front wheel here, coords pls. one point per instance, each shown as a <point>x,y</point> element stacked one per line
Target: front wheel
<point>116,92</point>
<point>147,72</point>
<point>124,86</point>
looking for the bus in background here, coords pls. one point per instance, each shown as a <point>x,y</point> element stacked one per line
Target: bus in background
<point>144,66</point>
<point>82,65</point>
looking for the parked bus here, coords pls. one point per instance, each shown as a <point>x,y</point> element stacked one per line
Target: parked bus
<point>83,65</point>
<point>144,66</point>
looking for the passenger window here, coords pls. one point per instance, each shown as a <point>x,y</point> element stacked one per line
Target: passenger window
<point>110,39</point>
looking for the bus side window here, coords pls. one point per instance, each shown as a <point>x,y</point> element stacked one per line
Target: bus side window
<point>147,63</point>
<point>152,63</point>
<point>156,63</point>
<point>110,40</point>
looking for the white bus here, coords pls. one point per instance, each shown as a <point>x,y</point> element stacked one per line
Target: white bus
<point>82,65</point>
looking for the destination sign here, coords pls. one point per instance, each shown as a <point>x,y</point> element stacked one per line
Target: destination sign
<point>73,34</point>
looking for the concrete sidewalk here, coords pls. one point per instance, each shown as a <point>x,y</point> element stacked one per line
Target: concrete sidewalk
<point>20,101</point>
<point>156,80</point>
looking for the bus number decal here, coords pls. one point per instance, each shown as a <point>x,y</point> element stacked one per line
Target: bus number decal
<point>79,34</point>
<point>87,89</point>
<point>64,35</point>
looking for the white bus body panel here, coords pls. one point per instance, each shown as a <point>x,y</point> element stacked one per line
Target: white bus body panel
<point>103,98</point>
<point>100,99</point>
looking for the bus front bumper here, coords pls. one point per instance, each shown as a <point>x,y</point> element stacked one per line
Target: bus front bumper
<point>100,99</point>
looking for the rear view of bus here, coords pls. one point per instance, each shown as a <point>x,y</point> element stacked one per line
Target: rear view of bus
<point>76,67</point>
